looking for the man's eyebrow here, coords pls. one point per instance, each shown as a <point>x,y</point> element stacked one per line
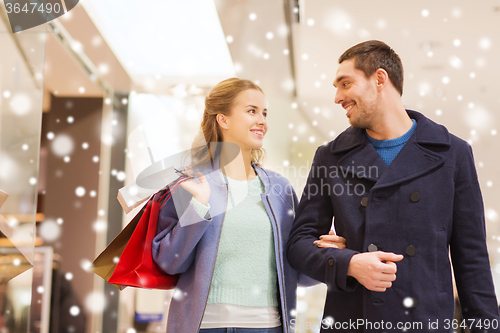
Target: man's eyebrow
<point>337,80</point>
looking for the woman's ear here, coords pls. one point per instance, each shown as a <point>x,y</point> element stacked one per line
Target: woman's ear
<point>222,121</point>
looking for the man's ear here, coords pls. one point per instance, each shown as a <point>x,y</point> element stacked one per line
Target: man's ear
<point>381,78</point>
<point>222,121</point>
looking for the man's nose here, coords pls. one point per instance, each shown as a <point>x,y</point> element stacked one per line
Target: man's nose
<point>339,97</point>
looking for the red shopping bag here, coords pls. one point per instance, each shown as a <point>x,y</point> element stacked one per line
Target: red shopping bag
<point>136,267</point>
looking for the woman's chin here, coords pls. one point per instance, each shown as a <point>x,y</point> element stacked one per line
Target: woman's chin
<point>259,143</point>
<point>249,146</point>
<point>257,146</point>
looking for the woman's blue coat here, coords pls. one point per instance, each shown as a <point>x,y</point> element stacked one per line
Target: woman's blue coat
<point>188,246</point>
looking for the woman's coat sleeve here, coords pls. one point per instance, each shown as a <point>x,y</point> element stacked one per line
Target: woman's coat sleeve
<point>174,246</point>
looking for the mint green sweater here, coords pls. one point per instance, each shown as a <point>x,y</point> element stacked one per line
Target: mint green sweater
<point>245,269</point>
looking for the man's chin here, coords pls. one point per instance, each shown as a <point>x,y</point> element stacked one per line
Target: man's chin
<point>356,124</point>
<point>353,122</point>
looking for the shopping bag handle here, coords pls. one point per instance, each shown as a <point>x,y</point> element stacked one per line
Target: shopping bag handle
<point>165,194</point>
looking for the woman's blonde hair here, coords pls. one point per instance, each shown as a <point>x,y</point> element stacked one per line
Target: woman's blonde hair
<point>220,100</point>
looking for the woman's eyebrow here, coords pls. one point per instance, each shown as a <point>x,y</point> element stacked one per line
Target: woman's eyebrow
<point>253,106</point>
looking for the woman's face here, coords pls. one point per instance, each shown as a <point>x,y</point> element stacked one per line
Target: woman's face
<point>246,124</point>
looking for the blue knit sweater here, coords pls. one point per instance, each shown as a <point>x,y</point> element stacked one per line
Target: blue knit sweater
<point>388,149</point>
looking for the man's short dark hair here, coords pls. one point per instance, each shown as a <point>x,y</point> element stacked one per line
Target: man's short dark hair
<point>372,55</point>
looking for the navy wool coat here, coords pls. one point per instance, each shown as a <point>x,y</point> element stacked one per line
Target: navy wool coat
<point>425,205</point>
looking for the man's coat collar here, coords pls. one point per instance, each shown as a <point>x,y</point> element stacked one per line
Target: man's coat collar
<point>360,157</point>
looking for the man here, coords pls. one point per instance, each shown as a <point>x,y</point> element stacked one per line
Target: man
<point>403,192</point>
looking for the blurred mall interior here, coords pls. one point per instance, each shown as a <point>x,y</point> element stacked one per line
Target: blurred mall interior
<point>77,92</point>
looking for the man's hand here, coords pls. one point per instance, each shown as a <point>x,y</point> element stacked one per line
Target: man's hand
<point>374,270</point>
<point>330,240</point>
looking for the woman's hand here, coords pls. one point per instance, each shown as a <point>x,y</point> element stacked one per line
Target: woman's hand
<point>330,240</point>
<point>201,190</point>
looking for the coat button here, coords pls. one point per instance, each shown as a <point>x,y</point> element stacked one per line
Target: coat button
<point>330,262</point>
<point>377,301</point>
<point>415,197</point>
<point>372,248</point>
<point>410,250</point>
<point>364,202</point>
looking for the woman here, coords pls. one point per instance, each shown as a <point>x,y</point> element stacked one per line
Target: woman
<point>229,244</point>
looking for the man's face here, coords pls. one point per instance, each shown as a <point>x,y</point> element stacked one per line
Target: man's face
<point>357,94</point>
